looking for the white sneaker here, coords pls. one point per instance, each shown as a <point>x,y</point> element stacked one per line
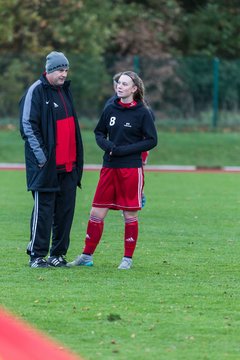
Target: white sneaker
<point>126,264</point>
<point>81,260</point>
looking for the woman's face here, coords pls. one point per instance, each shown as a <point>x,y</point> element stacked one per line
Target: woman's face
<point>126,88</point>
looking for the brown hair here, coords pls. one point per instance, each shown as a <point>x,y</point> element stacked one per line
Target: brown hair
<point>116,77</point>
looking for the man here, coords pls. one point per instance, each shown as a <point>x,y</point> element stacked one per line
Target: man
<point>54,161</point>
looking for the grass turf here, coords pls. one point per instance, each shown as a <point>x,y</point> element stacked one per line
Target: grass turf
<point>179,301</point>
<point>200,149</point>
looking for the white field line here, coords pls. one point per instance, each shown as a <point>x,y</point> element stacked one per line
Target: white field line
<point>160,168</point>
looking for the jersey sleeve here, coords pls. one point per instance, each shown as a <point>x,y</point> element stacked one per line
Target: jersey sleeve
<point>148,142</point>
<point>101,134</point>
<point>30,123</point>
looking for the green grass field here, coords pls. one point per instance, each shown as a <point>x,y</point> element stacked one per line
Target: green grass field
<point>193,148</point>
<point>179,301</point>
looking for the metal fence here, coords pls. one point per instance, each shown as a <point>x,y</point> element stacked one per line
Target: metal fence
<point>181,91</point>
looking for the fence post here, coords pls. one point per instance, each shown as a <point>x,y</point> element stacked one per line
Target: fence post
<point>215,91</point>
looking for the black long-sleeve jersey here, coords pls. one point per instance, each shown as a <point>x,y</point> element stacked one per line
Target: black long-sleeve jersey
<point>124,133</point>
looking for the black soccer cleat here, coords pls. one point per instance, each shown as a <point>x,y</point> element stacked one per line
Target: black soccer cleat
<point>38,263</point>
<point>57,261</point>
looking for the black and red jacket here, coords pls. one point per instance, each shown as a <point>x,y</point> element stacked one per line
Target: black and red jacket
<point>46,116</point>
<point>65,131</point>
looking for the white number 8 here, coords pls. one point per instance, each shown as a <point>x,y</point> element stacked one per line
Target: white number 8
<point>112,121</point>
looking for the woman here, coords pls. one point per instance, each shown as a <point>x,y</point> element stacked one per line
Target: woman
<point>125,129</point>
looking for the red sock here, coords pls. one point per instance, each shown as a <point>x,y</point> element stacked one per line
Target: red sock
<point>131,235</point>
<point>93,236</point>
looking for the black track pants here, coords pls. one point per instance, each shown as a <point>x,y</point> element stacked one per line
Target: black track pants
<point>53,214</point>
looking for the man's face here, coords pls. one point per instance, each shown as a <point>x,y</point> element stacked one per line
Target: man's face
<point>57,78</point>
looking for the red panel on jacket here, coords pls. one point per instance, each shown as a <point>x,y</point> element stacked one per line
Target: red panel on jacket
<point>66,143</point>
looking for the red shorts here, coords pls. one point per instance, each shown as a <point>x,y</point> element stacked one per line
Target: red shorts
<point>119,189</point>
<point>145,157</point>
